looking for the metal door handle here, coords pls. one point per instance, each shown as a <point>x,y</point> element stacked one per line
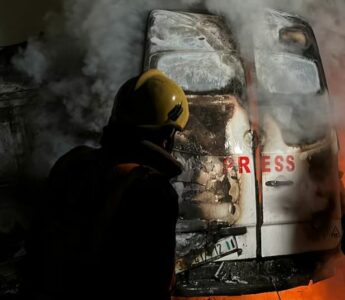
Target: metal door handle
<point>276,183</point>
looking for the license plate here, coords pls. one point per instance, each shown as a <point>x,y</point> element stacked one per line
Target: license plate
<point>223,247</point>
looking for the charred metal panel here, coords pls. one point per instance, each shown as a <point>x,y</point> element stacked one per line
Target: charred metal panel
<point>212,184</point>
<point>205,191</point>
<point>214,192</point>
<point>205,133</point>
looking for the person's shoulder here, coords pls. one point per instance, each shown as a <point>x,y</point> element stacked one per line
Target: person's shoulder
<point>76,158</point>
<point>78,153</point>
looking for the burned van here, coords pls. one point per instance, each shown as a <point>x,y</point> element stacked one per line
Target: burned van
<point>255,199</point>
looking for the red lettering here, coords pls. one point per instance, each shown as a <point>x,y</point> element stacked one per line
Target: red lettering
<point>266,164</point>
<point>278,163</point>
<point>243,163</point>
<point>228,163</point>
<point>290,160</point>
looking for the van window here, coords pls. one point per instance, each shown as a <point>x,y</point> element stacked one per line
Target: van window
<point>287,73</point>
<point>294,36</point>
<point>202,72</point>
<point>198,51</point>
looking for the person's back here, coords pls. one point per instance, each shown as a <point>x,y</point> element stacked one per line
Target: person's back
<point>109,230</point>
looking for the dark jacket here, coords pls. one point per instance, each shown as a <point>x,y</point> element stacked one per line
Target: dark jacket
<point>109,228</point>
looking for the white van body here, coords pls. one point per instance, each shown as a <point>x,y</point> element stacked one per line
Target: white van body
<point>249,192</point>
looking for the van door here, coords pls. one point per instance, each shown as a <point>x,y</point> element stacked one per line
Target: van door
<point>217,187</point>
<point>301,206</point>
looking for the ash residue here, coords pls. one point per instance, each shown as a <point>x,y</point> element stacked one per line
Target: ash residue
<point>243,277</point>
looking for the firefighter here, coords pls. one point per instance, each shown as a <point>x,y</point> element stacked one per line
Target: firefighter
<point>110,230</point>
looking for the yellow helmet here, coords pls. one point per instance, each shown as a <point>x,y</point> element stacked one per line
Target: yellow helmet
<point>151,100</point>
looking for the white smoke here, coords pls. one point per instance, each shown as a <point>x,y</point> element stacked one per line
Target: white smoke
<point>327,19</point>
<point>90,49</point>
<point>88,52</point>
<point>85,54</point>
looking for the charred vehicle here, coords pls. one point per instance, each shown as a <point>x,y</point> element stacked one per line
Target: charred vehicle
<point>259,196</point>
<point>17,95</point>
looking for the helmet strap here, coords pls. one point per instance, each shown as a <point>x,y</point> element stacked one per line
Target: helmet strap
<point>168,143</point>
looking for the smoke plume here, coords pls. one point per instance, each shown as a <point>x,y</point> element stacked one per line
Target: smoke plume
<point>92,47</point>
